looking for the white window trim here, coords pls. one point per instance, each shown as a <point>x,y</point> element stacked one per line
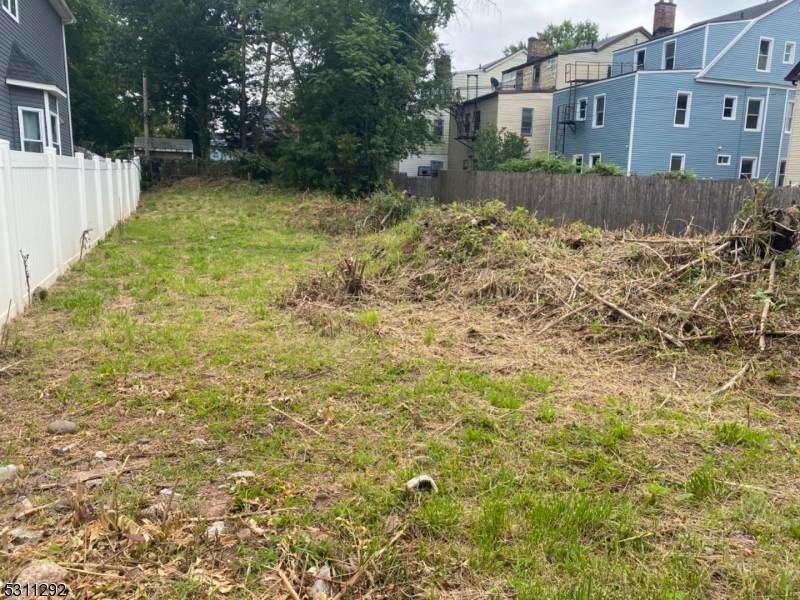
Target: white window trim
<point>575,158</point>
<point>735,106</point>
<point>594,111</point>
<point>578,110</point>
<point>769,57</point>
<point>788,118</point>
<point>783,164</point>
<point>688,109</point>
<point>53,142</point>
<point>8,10</point>
<point>791,56</point>
<point>683,161</point>
<point>664,54</point>
<point>42,130</point>
<point>724,164</point>
<point>755,165</point>
<point>636,58</point>
<point>760,114</point>
<point>599,156</point>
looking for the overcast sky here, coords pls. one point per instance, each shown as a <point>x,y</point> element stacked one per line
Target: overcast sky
<point>479,35</point>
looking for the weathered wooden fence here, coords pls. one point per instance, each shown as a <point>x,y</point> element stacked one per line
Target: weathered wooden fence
<point>677,206</point>
<point>52,208</point>
<point>424,187</point>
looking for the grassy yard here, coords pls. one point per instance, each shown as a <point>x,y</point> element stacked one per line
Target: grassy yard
<point>572,465</point>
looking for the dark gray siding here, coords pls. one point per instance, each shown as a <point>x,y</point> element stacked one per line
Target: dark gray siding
<point>28,99</point>
<point>40,34</point>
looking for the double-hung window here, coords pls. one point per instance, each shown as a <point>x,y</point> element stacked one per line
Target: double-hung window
<point>788,53</point>
<point>55,132</point>
<point>519,79</point>
<point>438,129</point>
<point>782,174</point>
<point>677,162</point>
<point>527,122</point>
<point>729,108</point>
<point>764,55</point>
<point>640,56</point>
<point>477,121</point>
<point>595,159</point>
<point>683,108</point>
<point>748,168</point>
<point>31,129</point>
<point>789,116</point>
<point>10,6</point>
<point>752,120</point>
<point>580,109</point>
<point>599,119</point>
<point>669,55</point>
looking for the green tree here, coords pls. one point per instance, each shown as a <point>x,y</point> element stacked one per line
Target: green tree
<point>513,48</point>
<point>102,119</point>
<point>569,35</point>
<point>494,147</point>
<point>363,86</point>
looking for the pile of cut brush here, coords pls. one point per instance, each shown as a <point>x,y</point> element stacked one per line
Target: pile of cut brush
<point>740,287</point>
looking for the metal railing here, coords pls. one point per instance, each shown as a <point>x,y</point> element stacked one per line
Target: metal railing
<point>581,72</point>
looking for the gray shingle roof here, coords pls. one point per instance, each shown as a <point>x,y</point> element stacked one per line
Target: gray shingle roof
<point>743,15</point>
<point>23,68</point>
<point>165,145</point>
<point>610,40</point>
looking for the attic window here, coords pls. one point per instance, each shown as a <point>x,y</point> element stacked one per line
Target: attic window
<point>764,55</point>
<point>10,6</point>
<point>669,56</point>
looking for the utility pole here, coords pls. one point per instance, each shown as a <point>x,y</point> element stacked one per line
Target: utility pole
<point>146,119</point>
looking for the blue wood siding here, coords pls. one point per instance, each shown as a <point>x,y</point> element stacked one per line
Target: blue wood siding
<point>739,63</point>
<point>611,140</point>
<point>720,35</point>
<point>40,34</point>
<point>25,98</point>
<point>688,54</point>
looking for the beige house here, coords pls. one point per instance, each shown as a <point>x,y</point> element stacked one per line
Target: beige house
<point>792,176</point>
<point>466,84</point>
<point>520,99</point>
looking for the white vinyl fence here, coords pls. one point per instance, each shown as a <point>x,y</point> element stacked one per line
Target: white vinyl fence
<point>47,202</point>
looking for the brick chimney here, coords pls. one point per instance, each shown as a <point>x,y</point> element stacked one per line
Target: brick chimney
<point>664,19</point>
<point>536,47</point>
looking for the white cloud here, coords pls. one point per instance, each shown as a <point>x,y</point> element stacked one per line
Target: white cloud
<point>479,36</point>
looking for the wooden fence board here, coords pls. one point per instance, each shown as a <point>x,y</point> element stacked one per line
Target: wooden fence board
<point>696,206</point>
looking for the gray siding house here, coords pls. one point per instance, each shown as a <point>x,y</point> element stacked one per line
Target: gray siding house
<point>34,86</point>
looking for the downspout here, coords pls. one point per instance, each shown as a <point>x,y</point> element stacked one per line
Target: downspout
<point>783,134</point>
<point>633,121</point>
<point>763,134</point>
<point>69,96</point>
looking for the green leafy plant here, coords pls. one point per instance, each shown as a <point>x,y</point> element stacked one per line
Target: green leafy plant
<point>252,166</point>
<point>541,162</point>
<point>494,147</point>
<point>681,175</point>
<point>606,170</point>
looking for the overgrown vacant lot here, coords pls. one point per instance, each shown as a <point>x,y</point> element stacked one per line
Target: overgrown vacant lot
<point>590,460</point>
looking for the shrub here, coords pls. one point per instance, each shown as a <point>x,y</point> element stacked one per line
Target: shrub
<point>606,170</point>
<point>251,165</point>
<point>681,175</point>
<point>541,162</point>
<point>496,146</point>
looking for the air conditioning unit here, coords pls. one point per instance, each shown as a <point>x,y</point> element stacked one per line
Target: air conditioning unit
<point>424,171</point>
<point>437,165</point>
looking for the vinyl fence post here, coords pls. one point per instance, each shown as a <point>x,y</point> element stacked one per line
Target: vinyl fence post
<point>55,213</point>
<point>82,192</point>
<point>138,179</point>
<point>111,203</point>
<point>101,222</point>
<point>9,261</point>
<point>122,208</point>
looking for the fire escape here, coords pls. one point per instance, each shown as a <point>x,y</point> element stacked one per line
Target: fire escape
<point>571,116</point>
<point>463,107</point>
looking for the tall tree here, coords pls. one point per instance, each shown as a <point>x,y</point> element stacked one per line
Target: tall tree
<point>569,35</point>
<point>513,48</point>
<point>363,86</point>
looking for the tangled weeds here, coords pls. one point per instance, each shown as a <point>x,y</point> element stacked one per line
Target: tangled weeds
<point>730,290</point>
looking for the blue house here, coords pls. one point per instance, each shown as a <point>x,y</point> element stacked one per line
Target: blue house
<point>711,99</point>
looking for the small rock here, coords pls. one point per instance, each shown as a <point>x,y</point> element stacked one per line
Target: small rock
<point>199,442</point>
<point>321,497</point>
<point>23,535</point>
<point>100,455</point>
<point>241,475</point>
<point>92,483</point>
<point>244,534</point>
<point>215,531</point>
<point>168,492</point>
<point>21,508</point>
<point>142,442</point>
<point>264,433</point>
<point>220,462</point>
<point>212,237</point>
<point>709,550</point>
<point>322,588</point>
<point>59,427</point>
<point>390,524</point>
<point>423,483</point>
<point>63,506</point>
<point>41,571</point>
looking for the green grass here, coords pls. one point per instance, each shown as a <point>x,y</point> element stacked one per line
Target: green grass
<point>558,478</point>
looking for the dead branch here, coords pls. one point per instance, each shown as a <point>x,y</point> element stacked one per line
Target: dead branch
<point>762,341</point>
<point>716,285</point>
<point>742,372</point>
<point>311,429</point>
